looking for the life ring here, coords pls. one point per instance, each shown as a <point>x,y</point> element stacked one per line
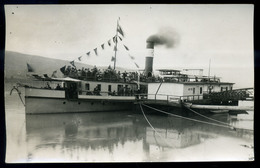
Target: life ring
<point>210,87</point>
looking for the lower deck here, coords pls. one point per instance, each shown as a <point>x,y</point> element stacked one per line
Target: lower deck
<point>37,105</point>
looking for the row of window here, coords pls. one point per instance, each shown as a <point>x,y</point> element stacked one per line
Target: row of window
<point>109,88</point>
<point>87,87</point>
<point>222,89</point>
<point>225,89</point>
<point>193,90</point>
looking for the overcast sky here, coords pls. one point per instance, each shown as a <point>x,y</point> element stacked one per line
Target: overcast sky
<point>220,33</point>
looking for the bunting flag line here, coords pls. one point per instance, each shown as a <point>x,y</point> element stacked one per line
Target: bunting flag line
<point>72,63</point>
<point>115,40</point>
<point>29,68</point>
<point>119,29</point>
<point>126,47</point>
<point>62,69</point>
<point>109,42</point>
<point>96,51</point>
<point>79,58</point>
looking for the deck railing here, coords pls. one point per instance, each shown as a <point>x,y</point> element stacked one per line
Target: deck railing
<point>167,98</point>
<point>105,93</point>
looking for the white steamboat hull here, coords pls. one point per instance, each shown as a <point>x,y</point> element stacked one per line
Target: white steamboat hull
<point>40,101</point>
<point>48,105</point>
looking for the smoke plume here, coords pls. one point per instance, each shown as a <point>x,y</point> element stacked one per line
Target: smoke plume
<point>166,36</point>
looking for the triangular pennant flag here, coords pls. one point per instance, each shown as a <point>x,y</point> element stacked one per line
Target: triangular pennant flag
<point>29,68</point>
<point>136,65</point>
<point>54,74</point>
<point>72,63</point>
<point>126,48</point>
<point>120,38</point>
<point>96,51</point>
<point>79,58</point>
<point>109,42</point>
<point>113,58</point>
<point>114,39</point>
<point>62,69</point>
<point>132,57</point>
<point>88,53</point>
<point>119,29</point>
<point>102,46</point>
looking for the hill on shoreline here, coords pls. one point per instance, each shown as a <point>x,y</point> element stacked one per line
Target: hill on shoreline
<point>16,65</point>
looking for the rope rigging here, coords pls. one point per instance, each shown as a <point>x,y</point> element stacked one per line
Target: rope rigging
<point>205,122</point>
<point>206,116</point>
<point>152,126</point>
<point>18,91</point>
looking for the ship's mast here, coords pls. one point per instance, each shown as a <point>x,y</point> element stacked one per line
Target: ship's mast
<point>209,89</point>
<point>209,69</point>
<point>116,43</point>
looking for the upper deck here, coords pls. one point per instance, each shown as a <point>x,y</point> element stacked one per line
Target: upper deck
<point>187,76</point>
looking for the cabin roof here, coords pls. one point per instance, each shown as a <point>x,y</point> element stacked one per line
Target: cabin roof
<point>197,83</point>
<point>173,70</point>
<point>67,79</point>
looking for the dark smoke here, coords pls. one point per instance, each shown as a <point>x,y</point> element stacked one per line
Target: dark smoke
<point>166,36</point>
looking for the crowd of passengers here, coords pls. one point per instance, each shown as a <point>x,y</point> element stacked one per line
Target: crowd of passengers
<point>108,74</point>
<point>123,91</point>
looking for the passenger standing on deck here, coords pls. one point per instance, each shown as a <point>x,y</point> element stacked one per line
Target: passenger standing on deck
<point>58,87</point>
<point>124,76</point>
<point>47,86</point>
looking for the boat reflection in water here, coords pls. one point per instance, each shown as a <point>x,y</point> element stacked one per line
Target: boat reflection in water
<point>119,136</point>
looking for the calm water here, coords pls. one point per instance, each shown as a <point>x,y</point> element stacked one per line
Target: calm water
<point>122,136</point>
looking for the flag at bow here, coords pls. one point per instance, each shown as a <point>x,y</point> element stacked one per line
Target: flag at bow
<point>62,69</point>
<point>29,68</point>
<point>54,74</point>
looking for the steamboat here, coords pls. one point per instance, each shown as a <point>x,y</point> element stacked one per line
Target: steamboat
<point>93,90</point>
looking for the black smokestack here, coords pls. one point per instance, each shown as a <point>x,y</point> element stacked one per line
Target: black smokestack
<point>149,59</point>
<point>166,36</point>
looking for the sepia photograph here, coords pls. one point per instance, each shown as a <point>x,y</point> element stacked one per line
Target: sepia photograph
<point>102,83</point>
